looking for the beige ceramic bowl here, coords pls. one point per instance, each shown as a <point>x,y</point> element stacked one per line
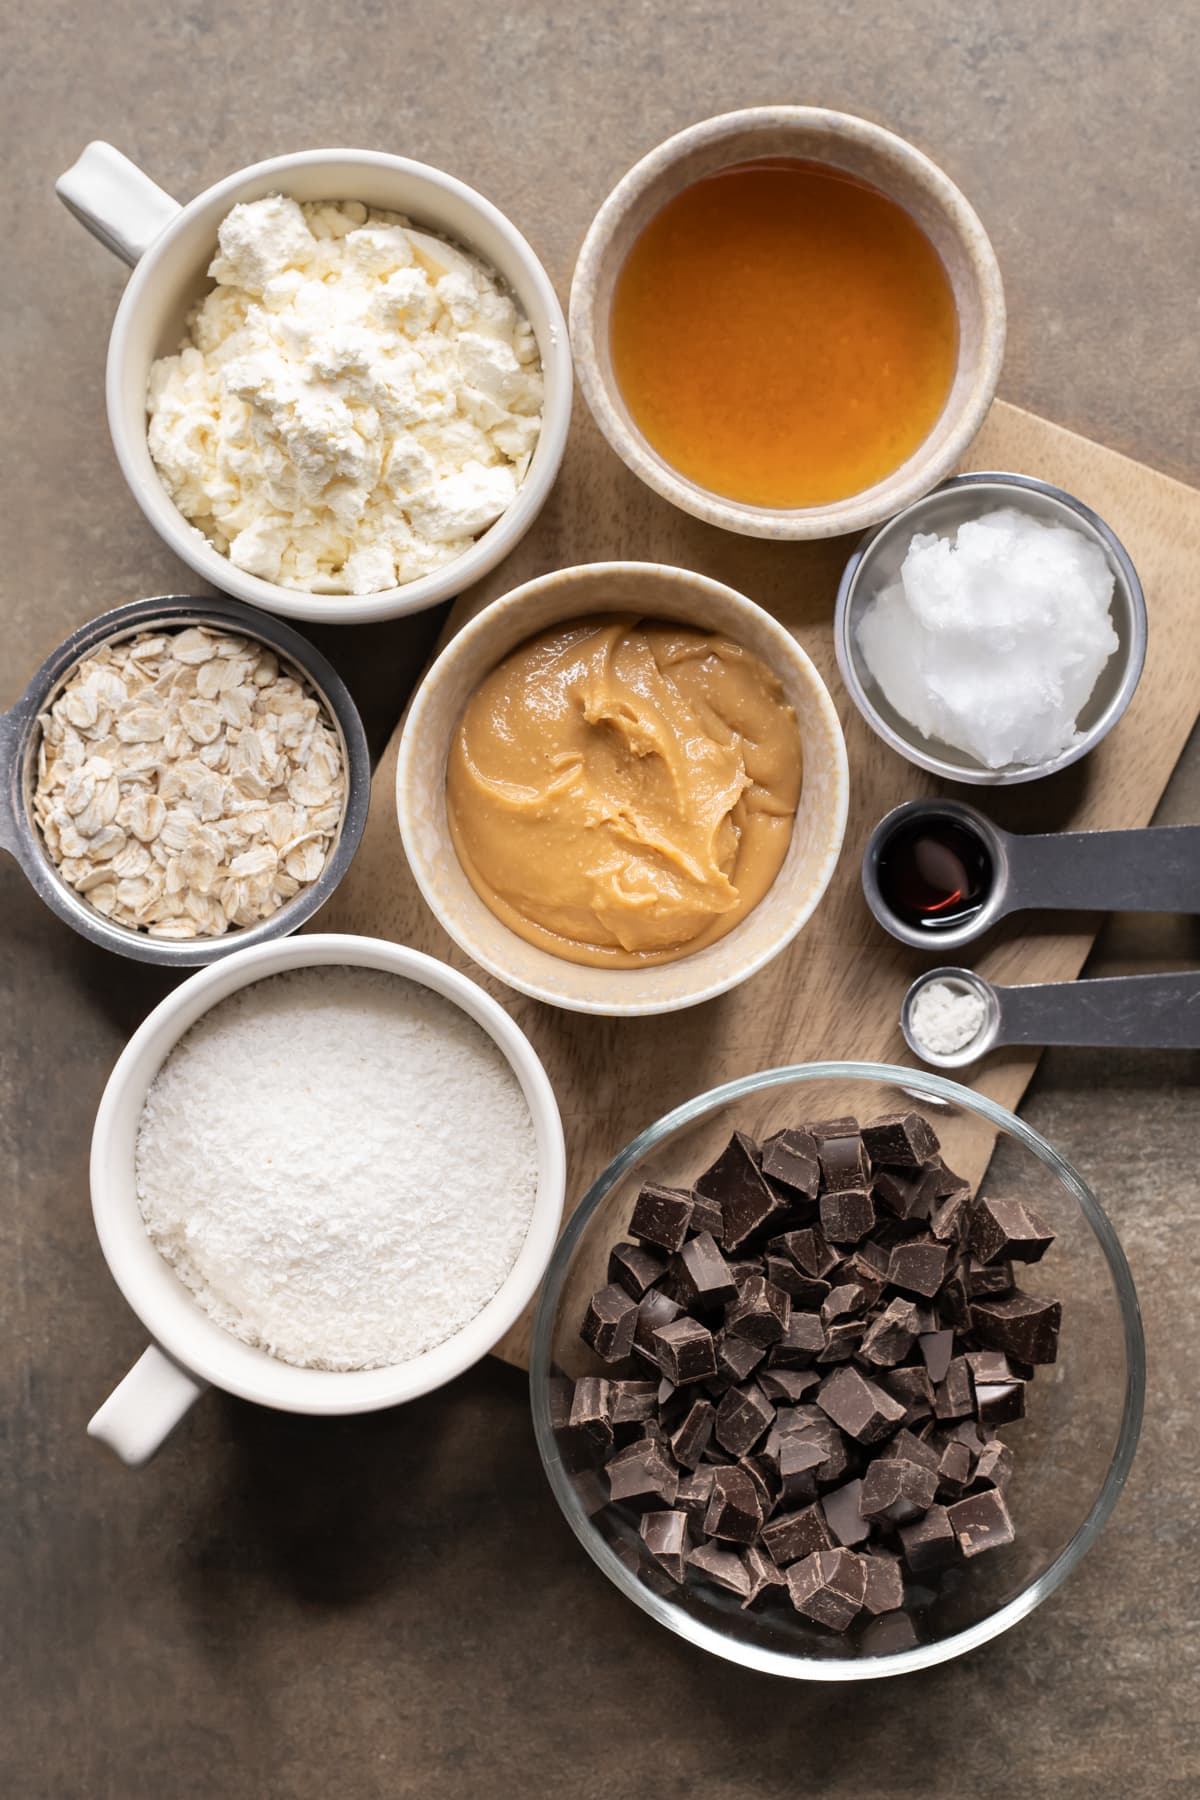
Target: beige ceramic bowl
<point>875,156</point>
<point>653,591</point>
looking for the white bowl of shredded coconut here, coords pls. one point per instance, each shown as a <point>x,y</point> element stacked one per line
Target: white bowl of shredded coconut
<point>327,1174</point>
<point>339,383</point>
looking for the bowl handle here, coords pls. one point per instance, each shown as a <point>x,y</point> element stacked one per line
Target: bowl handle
<point>143,1410</point>
<point>117,202</point>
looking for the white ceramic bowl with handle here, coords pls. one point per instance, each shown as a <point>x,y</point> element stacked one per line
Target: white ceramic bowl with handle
<point>171,246</point>
<point>190,1351</point>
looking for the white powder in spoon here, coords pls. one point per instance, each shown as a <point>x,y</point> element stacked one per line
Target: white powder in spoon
<point>945,1018</point>
<point>339,1164</point>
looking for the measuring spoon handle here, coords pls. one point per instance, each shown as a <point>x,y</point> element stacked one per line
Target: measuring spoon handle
<point>1134,1012</point>
<point>1155,869</point>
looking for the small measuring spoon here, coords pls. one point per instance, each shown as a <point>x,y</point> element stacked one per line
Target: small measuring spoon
<point>1128,1012</point>
<point>1152,869</point>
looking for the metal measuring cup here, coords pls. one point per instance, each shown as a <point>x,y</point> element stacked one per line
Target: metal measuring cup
<point>1152,869</point>
<point>20,734</point>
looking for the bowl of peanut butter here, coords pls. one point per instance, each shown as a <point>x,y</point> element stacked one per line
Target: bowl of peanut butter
<point>622,788</point>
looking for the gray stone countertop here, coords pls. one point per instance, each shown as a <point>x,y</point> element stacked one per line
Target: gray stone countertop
<point>281,1608</point>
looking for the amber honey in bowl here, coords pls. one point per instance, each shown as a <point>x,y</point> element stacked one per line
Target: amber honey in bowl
<point>783,334</point>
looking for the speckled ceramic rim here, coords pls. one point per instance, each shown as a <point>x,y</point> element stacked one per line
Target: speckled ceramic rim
<point>173,1317</point>
<point>650,590</point>
<point>20,735</point>
<point>888,163</point>
<point>919,1085</point>
<point>1001,488</point>
<point>171,264</point>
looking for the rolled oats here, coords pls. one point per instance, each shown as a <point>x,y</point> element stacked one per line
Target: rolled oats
<point>187,783</point>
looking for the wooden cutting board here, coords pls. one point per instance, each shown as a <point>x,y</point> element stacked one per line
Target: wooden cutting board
<point>836,992</point>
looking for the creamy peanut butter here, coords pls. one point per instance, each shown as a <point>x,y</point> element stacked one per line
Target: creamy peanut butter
<point>621,791</point>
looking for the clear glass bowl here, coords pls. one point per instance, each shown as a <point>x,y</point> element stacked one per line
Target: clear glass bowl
<point>1072,1452</point>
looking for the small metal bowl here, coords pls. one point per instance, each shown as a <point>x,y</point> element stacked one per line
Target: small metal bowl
<point>875,564</point>
<point>20,734</point>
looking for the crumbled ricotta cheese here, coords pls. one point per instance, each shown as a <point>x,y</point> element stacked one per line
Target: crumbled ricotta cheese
<point>354,401</point>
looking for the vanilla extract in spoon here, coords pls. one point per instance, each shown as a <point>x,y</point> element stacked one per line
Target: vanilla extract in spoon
<point>935,874</point>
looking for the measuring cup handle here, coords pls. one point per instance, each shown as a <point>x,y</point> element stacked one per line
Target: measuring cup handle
<point>117,202</point>
<point>143,1410</point>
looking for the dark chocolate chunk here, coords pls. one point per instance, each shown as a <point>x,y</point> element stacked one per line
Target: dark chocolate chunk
<point>636,1269</point>
<point>954,1467</point>
<point>842,1340</point>
<point>1022,1324</point>
<point>702,1278</point>
<point>591,1490</point>
<point>641,1471</point>
<point>1000,1402</point>
<point>845,1164</point>
<point>858,1407</point>
<point>661,1216</point>
<point>666,1391</point>
<point>954,1398</point>
<point>761,1312</point>
<point>847,1215</point>
<point>867,1269</point>
<point>888,1635</point>
<point>591,1411</point>
<point>690,1441</point>
<point>790,1157</point>
<point>734,1509</point>
<point>828,1587</point>
<point>843,1126</point>
<point>918,1266</point>
<point>801,1290</point>
<point>803,1340</point>
<point>911,1449</point>
<point>767,1581</point>
<point>788,1385</point>
<point>902,1193</point>
<point>889,1337</point>
<point>840,1301</point>
<point>799,1459</point>
<point>912,1388</point>
<point>994,1465</point>
<point>950,1215</point>
<point>885,1581</point>
<point>808,1249</point>
<point>736,1183</point>
<point>982,1280</point>
<point>560,1391</point>
<point>725,1567</point>
<point>608,1323</point>
<point>929,1542</point>
<point>791,1535</point>
<point>991,1365</point>
<point>843,1514</point>
<point>953,1307</point>
<point>694,1491</point>
<point>905,1140</point>
<point>937,1347</point>
<point>737,1357</point>
<point>665,1537</point>
<point>897,1490</point>
<point>685,1351</point>
<point>632,1401</point>
<point>765,1477</point>
<point>742,1417</point>
<point>981,1522</point>
<point>1008,1229</point>
<point>654,1309</point>
<point>706,1216</point>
